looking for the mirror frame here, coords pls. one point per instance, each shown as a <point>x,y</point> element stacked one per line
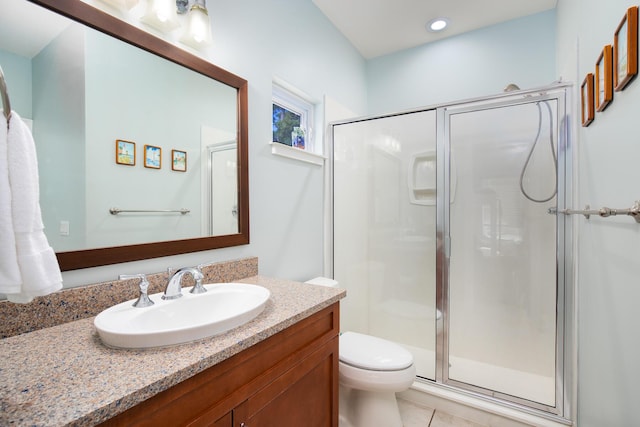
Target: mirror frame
<point>94,18</point>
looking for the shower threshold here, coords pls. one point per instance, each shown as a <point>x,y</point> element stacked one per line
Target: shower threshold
<point>477,408</point>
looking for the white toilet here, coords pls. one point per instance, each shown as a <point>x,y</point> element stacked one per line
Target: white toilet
<point>372,370</point>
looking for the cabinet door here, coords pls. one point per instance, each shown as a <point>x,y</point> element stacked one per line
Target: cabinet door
<point>225,421</point>
<point>305,395</point>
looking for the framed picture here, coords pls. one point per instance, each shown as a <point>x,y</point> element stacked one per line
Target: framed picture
<point>586,96</point>
<point>152,157</point>
<point>179,160</point>
<point>125,152</point>
<point>604,81</point>
<point>625,49</point>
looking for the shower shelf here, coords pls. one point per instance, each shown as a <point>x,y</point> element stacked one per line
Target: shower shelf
<point>604,212</point>
<point>422,178</point>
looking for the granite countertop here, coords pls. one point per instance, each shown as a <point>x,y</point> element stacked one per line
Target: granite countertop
<point>65,376</point>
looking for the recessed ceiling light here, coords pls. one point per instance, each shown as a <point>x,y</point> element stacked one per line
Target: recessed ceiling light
<point>437,24</point>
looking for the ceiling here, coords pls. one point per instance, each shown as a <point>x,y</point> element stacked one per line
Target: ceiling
<point>26,28</point>
<point>380,27</point>
<point>374,27</point>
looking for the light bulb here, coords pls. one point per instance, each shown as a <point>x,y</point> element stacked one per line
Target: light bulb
<point>438,24</point>
<point>161,15</point>
<point>198,31</point>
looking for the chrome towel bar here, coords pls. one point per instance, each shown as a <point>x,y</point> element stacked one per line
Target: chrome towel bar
<point>116,211</point>
<point>605,212</point>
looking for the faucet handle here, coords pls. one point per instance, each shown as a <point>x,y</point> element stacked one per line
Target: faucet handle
<point>143,299</point>
<point>198,277</point>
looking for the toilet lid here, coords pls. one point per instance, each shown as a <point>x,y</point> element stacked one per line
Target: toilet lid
<point>367,352</point>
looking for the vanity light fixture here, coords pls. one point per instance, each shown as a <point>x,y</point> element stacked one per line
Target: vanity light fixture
<point>161,15</point>
<point>437,25</point>
<point>164,16</point>
<point>198,30</point>
<point>182,6</point>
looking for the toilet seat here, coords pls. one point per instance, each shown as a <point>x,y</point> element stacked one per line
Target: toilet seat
<point>373,353</point>
<point>379,381</point>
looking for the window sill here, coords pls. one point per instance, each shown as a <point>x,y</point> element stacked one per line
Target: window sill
<point>296,153</point>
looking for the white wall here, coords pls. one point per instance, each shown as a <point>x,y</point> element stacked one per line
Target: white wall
<point>607,273</point>
<point>258,41</point>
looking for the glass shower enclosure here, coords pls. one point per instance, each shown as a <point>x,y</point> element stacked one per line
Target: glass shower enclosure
<point>444,240</point>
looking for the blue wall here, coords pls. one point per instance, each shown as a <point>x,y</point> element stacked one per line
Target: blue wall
<point>121,96</point>
<point>295,42</point>
<point>469,65</point>
<point>17,72</point>
<point>259,41</point>
<point>608,257</point>
<point>59,133</point>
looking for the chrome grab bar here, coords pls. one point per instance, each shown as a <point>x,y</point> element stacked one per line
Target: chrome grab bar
<point>116,211</point>
<point>604,212</point>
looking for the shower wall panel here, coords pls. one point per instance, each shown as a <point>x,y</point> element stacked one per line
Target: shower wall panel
<point>384,224</point>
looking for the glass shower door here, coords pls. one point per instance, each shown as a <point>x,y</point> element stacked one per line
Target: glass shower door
<point>501,299</point>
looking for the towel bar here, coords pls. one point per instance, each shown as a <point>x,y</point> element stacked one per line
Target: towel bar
<point>604,212</point>
<point>116,211</point>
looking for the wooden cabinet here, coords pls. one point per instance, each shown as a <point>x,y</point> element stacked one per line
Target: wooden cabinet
<point>289,379</point>
<point>225,421</point>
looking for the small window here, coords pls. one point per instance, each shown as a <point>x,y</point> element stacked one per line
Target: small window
<point>292,119</point>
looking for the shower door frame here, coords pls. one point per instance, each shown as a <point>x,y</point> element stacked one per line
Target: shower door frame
<point>565,267</point>
<point>564,252</point>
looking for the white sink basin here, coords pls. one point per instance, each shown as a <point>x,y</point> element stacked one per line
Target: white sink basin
<point>194,316</point>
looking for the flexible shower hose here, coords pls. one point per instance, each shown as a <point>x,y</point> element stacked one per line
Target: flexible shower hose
<point>533,147</point>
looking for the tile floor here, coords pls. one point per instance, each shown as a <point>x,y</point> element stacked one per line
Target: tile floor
<point>419,416</point>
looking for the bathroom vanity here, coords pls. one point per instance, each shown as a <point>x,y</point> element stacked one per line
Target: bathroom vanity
<point>281,369</point>
<point>290,379</point>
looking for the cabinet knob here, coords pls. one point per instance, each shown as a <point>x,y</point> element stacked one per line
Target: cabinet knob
<point>243,425</point>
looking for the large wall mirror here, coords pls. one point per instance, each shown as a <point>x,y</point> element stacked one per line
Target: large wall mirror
<point>124,120</point>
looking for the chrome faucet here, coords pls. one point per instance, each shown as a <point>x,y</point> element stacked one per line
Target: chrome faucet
<point>174,287</point>
<point>143,299</point>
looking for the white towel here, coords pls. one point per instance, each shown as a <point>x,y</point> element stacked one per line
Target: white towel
<point>36,260</point>
<point>10,279</point>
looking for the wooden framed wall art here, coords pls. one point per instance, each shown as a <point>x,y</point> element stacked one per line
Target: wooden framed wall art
<point>625,49</point>
<point>152,157</point>
<point>604,81</point>
<point>125,152</point>
<point>586,100</point>
<point>179,160</point>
